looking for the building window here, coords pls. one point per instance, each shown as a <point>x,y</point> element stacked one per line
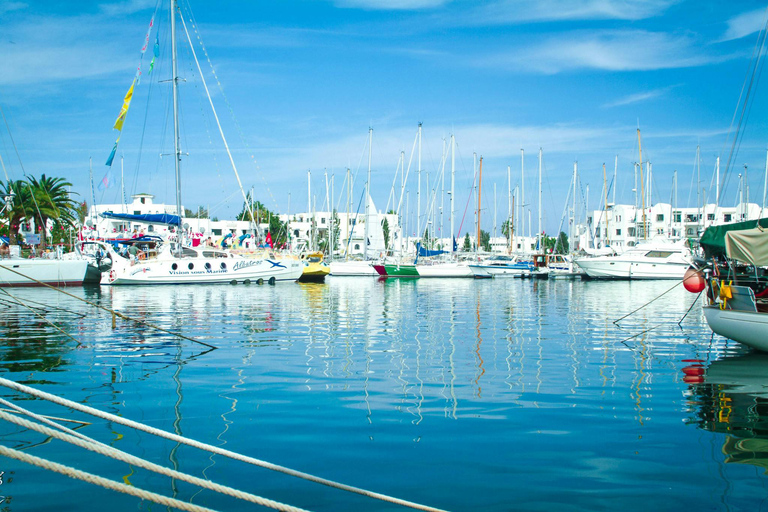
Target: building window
<point>660,217</point>
<point>151,228</point>
<point>677,216</point>
<point>727,217</point>
<point>618,232</point>
<point>322,220</point>
<point>295,232</point>
<point>137,212</point>
<point>631,231</point>
<point>357,247</point>
<point>216,232</point>
<point>618,218</point>
<point>710,216</point>
<point>143,200</point>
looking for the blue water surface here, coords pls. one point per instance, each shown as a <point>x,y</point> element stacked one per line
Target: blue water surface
<point>454,393</point>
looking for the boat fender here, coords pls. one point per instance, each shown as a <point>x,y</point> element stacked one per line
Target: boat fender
<point>259,281</point>
<point>272,280</point>
<point>112,276</point>
<point>725,294</point>
<point>693,281</point>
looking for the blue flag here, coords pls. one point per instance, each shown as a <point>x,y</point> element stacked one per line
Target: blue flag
<point>112,154</point>
<point>105,181</point>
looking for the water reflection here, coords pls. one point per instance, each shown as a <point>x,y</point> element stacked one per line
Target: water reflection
<point>730,396</point>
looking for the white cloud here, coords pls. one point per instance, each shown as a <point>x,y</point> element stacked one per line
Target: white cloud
<point>127,7</point>
<point>527,11</point>
<point>745,24</point>
<point>390,5</point>
<point>638,98</point>
<point>6,7</point>
<point>631,50</point>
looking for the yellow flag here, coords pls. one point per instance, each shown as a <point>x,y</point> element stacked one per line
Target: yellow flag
<point>124,110</point>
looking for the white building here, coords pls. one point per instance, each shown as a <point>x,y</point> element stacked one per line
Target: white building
<point>622,226</point>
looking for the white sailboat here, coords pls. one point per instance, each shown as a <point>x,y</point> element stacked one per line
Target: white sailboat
<point>175,264</point>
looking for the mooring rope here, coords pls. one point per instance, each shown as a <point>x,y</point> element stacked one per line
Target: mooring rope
<point>97,480</point>
<point>112,311</point>
<point>206,447</point>
<point>103,449</point>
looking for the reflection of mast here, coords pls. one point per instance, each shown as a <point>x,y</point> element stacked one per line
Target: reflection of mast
<point>479,342</point>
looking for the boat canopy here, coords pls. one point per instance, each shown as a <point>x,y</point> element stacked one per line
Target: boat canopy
<point>713,239</point>
<point>150,218</point>
<point>748,246</point>
<point>426,252</point>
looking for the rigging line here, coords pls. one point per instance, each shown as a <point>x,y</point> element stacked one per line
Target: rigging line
<point>12,140</point>
<point>113,312</point>
<point>19,302</point>
<point>216,116</point>
<point>108,451</point>
<point>749,80</point>
<point>649,302</point>
<point>206,447</point>
<point>689,309</point>
<point>97,480</point>
<point>229,107</point>
<point>47,307</point>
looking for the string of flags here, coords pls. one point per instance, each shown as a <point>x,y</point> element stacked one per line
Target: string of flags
<point>129,95</point>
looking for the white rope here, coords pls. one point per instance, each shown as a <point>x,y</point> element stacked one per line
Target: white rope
<point>103,449</point>
<point>213,449</point>
<point>97,480</point>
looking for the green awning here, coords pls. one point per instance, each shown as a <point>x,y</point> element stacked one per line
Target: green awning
<point>713,239</point>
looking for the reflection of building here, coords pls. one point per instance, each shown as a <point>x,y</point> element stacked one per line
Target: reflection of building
<point>732,398</point>
<point>623,225</point>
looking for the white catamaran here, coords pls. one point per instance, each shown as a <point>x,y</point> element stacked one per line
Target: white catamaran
<point>175,264</point>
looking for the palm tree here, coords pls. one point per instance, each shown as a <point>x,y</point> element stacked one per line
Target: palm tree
<point>52,200</point>
<point>18,206</point>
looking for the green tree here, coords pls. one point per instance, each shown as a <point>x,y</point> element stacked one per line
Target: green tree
<point>467,244</point>
<point>385,229</point>
<point>485,240</point>
<point>18,197</point>
<point>562,245</point>
<point>52,200</point>
<point>200,213</point>
<point>505,229</point>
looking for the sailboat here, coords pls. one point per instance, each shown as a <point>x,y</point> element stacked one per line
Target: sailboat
<point>176,264</point>
<point>373,244</point>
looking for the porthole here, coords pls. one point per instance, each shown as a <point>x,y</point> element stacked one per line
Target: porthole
<point>174,266</point>
<point>191,266</point>
<point>207,266</point>
<point>223,266</point>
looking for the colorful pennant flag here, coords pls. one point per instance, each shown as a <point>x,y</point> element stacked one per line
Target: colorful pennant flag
<point>124,110</point>
<point>112,154</point>
<point>105,181</point>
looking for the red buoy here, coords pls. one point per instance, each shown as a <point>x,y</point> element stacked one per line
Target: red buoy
<point>693,281</point>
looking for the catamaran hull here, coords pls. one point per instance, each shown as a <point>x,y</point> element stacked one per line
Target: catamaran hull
<point>202,271</point>
<point>746,327</point>
<point>37,272</point>
<point>613,268</point>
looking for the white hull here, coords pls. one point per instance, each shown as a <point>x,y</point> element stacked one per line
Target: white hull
<point>497,271</point>
<point>444,270</point>
<point>352,268</point>
<point>613,267</point>
<point>54,272</point>
<point>747,327</point>
<point>201,269</point>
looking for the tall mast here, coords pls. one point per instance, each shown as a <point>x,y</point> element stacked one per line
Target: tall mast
<point>93,191</point>
<point>367,194</point>
<point>176,138</point>
<point>418,191</point>
<point>122,185</point>
<point>573,211</point>
<point>698,188</point>
<point>479,200</point>
<point>349,207</point>
<point>642,183</point>
<point>309,208</point>
<point>538,236</point>
<point>522,188</point>
<point>615,171</point>
<point>605,205</point>
<point>453,184</point>
<point>509,206</point>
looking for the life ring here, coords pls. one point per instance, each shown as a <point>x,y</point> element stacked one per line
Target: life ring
<point>112,275</point>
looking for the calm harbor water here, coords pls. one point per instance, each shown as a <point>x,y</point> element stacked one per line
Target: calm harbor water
<point>459,394</point>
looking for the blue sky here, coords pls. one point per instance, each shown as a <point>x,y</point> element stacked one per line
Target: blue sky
<point>302,81</point>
